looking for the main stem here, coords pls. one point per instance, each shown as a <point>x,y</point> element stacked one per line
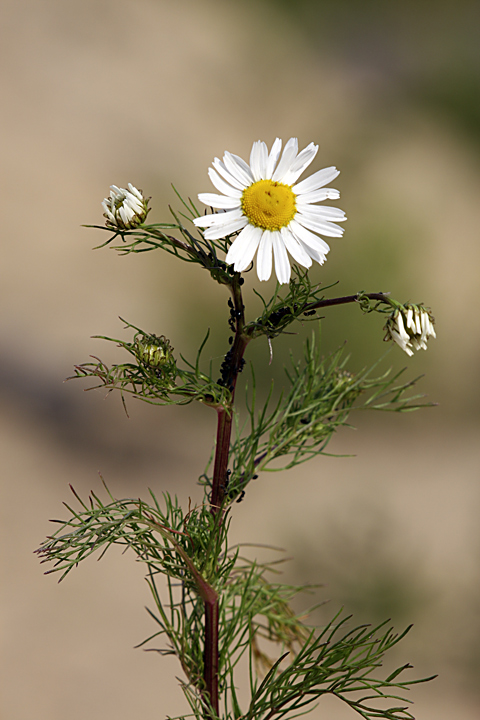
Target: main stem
<point>230,370</point>
<point>210,672</point>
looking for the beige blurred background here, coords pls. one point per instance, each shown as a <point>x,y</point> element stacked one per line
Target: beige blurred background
<point>148,92</point>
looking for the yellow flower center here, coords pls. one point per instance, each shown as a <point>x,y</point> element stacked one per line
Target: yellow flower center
<point>269,205</point>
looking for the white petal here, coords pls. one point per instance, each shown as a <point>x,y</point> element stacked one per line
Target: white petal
<point>107,210</point>
<point>219,201</point>
<point>425,325</point>
<point>308,238</point>
<point>135,192</point>
<point>401,342</point>
<point>243,165</point>
<point>295,249</point>
<point>401,328</point>
<point>219,219</point>
<point>283,270</point>
<point>216,232</point>
<point>289,154</point>
<point>221,185</point>
<point>317,180</point>
<point>419,344</point>
<point>302,161</point>
<point>222,170</point>
<point>244,247</point>
<point>317,196</point>
<point>410,323</point>
<point>418,323</point>
<point>237,169</point>
<point>264,256</point>
<point>315,254</point>
<point>133,204</point>
<point>273,158</point>
<point>258,160</point>
<point>126,213</point>
<point>323,212</point>
<point>314,223</point>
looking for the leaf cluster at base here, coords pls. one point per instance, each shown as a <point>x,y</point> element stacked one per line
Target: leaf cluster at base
<point>191,551</point>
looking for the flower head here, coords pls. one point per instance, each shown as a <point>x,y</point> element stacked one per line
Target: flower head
<point>410,327</point>
<point>274,214</point>
<point>124,209</point>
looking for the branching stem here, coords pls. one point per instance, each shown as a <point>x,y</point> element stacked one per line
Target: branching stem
<point>232,366</point>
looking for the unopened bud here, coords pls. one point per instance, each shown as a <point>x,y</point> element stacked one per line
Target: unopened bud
<point>156,353</point>
<point>410,327</point>
<point>125,209</point>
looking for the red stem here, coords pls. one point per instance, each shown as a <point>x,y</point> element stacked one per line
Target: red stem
<point>234,360</point>
<point>211,653</point>
<point>232,366</point>
<point>224,431</point>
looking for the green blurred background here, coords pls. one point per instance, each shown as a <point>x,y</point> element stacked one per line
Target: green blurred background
<point>148,92</point>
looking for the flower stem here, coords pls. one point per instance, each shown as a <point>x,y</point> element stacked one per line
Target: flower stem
<point>211,653</point>
<point>224,431</point>
<point>231,367</point>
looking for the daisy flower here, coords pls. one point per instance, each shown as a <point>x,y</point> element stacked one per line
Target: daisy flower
<point>124,209</point>
<point>275,215</point>
<point>410,327</point>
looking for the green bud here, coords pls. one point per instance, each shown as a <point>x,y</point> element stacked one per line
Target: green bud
<point>155,352</point>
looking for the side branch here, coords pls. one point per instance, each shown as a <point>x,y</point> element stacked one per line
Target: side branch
<point>379,297</point>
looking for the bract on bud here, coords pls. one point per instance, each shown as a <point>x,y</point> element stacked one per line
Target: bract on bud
<point>125,209</point>
<point>410,327</point>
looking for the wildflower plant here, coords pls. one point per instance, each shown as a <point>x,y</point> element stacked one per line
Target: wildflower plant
<point>218,608</point>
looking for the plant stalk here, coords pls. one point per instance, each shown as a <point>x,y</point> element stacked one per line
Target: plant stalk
<point>231,367</point>
<point>211,653</point>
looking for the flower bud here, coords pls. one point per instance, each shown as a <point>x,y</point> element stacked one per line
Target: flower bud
<point>156,356</point>
<point>155,352</point>
<point>125,209</point>
<point>410,326</point>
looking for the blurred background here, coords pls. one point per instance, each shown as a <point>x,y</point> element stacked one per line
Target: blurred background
<point>149,92</point>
